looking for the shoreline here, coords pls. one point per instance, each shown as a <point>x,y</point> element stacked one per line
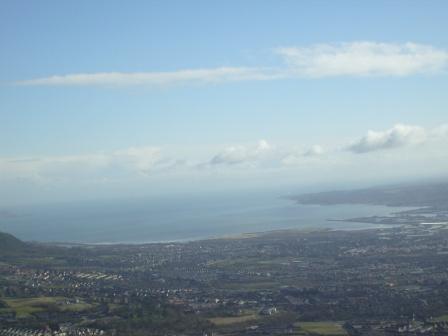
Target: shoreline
<point>237,236</point>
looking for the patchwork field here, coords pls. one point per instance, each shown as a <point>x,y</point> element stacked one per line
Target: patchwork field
<point>224,321</point>
<point>28,306</point>
<point>321,328</point>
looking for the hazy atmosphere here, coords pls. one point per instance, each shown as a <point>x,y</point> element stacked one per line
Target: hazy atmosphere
<point>223,168</point>
<point>100,100</point>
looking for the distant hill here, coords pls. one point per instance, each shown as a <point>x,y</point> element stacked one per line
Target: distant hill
<point>433,195</point>
<point>10,244</point>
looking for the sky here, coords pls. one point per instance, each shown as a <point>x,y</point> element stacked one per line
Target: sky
<point>103,99</point>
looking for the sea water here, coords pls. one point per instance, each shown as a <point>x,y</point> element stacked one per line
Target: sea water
<point>177,218</point>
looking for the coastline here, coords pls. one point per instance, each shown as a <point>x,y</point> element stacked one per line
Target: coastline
<point>239,236</point>
<point>136,224</point>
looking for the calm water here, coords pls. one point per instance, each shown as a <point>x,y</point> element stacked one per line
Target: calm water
<point>186,218</point>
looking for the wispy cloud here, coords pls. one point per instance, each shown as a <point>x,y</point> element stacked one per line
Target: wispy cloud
<point>201,76</point>
<point>440,131</point>
<point>315,150</point>
<point>139,159</point>
<point>130,161</point>
<point>293,158</point>
<point>315,61</point>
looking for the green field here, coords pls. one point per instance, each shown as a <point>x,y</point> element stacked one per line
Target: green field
<point>28,306</point>
<point>225,321</point>
<point>250,286</point>
<point>321,328</point>
<point>443,318</point>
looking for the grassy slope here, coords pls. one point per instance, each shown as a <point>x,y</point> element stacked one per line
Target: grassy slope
<point>10,244</point>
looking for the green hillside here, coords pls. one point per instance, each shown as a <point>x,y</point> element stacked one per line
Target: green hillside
<point>10,244</point>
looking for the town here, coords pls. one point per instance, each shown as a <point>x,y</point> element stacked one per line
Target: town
<point>386,281</point>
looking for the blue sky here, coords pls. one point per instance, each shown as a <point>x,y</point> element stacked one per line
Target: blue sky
<point>138,97</point>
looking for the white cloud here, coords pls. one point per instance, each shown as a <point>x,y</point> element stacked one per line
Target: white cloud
<point>243,154</point>
<point>204,76</point>
<point>315,150</point>
<point>294,158</point>
<point>398,136</point>
<point>139,163</point>
<point>363,58</point>
<point>140,160</point>
<point>440,131</point>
